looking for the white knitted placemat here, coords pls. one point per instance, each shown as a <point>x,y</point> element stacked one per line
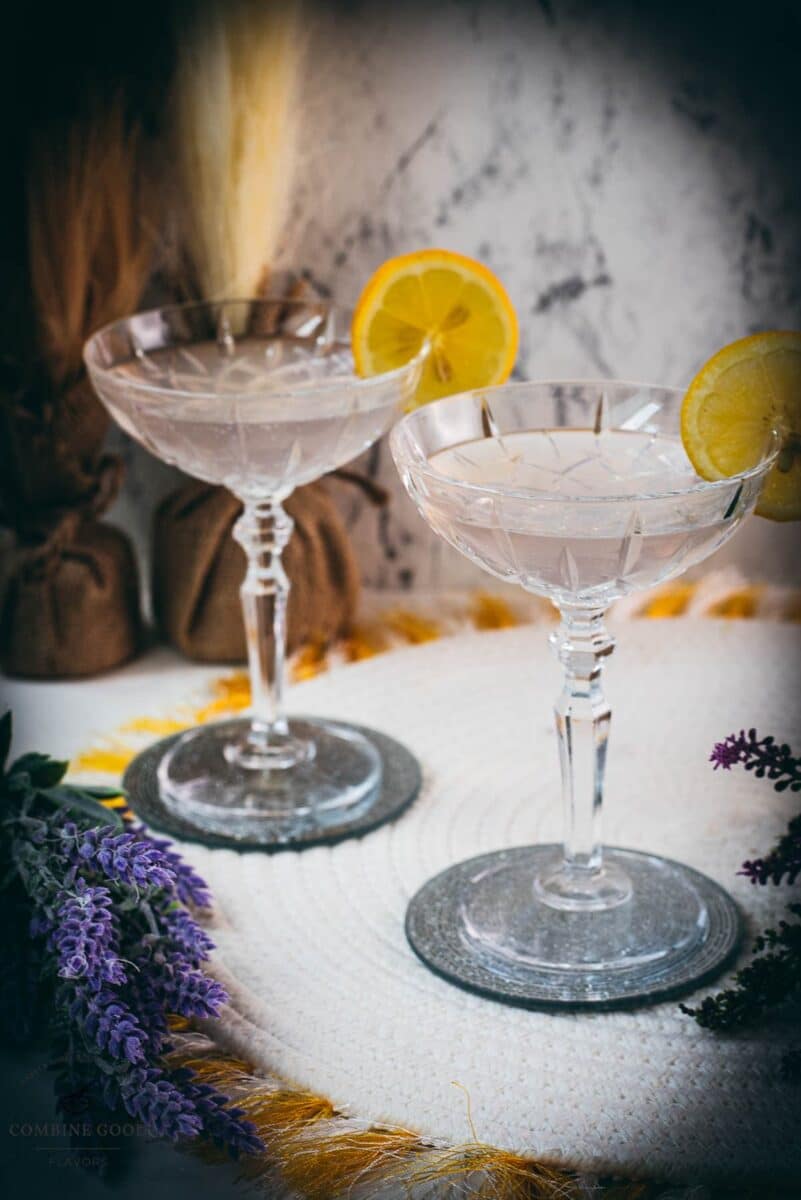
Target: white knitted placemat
<point>328,993</point>
<point>325,989</point>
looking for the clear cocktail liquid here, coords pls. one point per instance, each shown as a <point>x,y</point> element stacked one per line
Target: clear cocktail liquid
<point>270,426</point>
<point>578,514</point>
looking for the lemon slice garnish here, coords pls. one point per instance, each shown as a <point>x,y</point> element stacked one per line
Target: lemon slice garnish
<point>735,400</point>
<point>452,307</point>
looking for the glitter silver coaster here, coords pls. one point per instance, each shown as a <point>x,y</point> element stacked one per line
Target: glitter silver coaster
<point>481,925</point>
<point>400,784</point>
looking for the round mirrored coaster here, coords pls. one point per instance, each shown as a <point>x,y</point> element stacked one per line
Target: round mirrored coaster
<point>483,924</point>
<point>312,802</point>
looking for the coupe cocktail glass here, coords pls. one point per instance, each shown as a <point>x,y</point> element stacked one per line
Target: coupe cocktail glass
<point>261,396</point>
<point>581,492</point>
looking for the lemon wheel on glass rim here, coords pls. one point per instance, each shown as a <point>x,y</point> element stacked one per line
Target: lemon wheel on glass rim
<point>746,390</point>
<point>445,303</point>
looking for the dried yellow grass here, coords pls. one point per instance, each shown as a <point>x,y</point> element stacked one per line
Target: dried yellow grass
<point>670,601</point>
<point>737,604</point>
<point>413,627</point>
<point>365,641</point>
<point>489,611</point>
<point>90,242</point>
<point>279,1115</point>
<point>159,726</point>
<point>235,130</point>
<point>489,1173</point>
<point>328,1167</point>
<point>310,660</point>
<point>316,1151</point>
<point>104,760</point>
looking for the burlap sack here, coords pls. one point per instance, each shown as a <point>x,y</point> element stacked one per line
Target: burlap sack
<point>198,568</point>
<point>50,456</point>
<point>71,605</point>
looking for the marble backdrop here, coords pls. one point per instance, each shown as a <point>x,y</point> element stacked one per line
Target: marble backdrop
<point>620,176</point>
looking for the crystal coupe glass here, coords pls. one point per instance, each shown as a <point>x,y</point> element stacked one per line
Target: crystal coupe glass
<point>260,396</point>
<point>580,492</point>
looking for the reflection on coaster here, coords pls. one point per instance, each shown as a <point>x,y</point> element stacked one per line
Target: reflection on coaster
<point>400,780</point>
<point>481,924</point>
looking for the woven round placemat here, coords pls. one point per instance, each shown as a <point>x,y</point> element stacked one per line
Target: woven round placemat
<point>327,992</point>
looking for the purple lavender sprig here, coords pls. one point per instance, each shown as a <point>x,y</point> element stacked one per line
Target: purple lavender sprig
<point>116,952</point>
<point>186,935</point>
<point>186,990</point>
<point>225,1125</point>
<point>83,936</point>
<point>106,1023</point>
<point>189,887</point>
<point>784,861</point>
<point>128,858</point>
<point>148,1095</point>
<point>773,976</point>
<point>760,755</point>
<point>774,762</point>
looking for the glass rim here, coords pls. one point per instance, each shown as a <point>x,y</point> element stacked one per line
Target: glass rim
<point>421,465</point>
<point>363,383</point>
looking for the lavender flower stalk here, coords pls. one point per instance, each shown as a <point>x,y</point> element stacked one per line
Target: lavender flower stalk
<point>774,974</point>
<point>776,763</point>
<point>118,953</point>
<point>84,937</point>
<point>760,755</point>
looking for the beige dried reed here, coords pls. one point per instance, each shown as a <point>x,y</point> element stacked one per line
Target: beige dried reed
<point>89,241</point>
<point>235,104</point>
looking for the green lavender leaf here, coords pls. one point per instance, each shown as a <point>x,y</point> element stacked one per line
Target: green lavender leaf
<point>27,762</point>
<point>73,797</point>
<point>20,784</point>
<point>44,771</point>
<point>49,773</point>
<point>103,793</point>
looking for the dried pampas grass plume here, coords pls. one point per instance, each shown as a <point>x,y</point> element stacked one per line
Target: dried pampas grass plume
<point>235,105</point>
<point>89,244</point>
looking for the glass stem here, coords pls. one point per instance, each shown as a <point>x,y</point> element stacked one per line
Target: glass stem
<point>582,726</point>
<point>583,717</point>
<point>263,531</point>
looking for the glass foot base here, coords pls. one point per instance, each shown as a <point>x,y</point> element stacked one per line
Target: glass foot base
<point>206,778</point>
<point>485,925</point>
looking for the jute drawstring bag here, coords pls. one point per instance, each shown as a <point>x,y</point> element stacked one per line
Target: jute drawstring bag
<point>71,605</point>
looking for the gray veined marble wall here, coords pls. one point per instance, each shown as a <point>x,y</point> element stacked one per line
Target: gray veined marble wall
<point>629,178</point>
